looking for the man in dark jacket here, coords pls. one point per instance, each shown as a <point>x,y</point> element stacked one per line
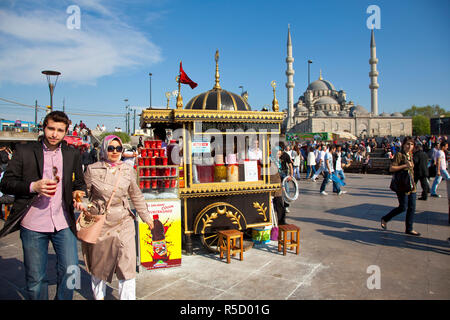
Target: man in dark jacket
<point>45,177</point>
<point>421,170</point>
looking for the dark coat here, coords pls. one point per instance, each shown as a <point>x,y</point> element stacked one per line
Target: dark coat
<point>26,166</point>
<point>420,164</point>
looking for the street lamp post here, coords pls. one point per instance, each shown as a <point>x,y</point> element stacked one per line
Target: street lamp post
<point>126,115</point>
<point>242,89</point>
<point>51,85</point>
<point>309,62</point>
<point>150,74</point>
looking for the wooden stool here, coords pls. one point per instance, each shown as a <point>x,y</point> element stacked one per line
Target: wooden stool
<point>283,241</point>
<point>229,243</point>
<point>7,210</point>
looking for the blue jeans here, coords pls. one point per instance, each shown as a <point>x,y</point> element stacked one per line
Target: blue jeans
<point>35,257</point>
<point>403,200</point>
<point>326,179</point>
<point>340,174</point>
<point>297,173</point>
<point>310,169</point>
<point>438,179</point>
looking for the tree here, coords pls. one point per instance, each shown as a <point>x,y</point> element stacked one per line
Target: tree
<point>122,135</point>
<point>429,111</point>
<point>421,125</point>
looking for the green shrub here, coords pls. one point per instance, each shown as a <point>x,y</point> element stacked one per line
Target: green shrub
<point>122,135</point>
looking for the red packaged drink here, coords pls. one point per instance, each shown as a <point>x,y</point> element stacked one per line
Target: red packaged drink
<point>153,161</point>
<point>162,152</point>
<point>166,172</point>
<point>152,144</point>
<point>167,184</point>
<point>153,172</point>
<point>154,184</point>
<point>164,161</point>
<point>156,153</point>
<point>143,153</point>
<point>147,161</point>
<point>141,184</point>
<point>158,144</point>
<point>147,172</point>
<point>141,172</point>
<point>159,242</point>
<point>149,153</point>
<point>147,184</point>
<point>173,183</point>
<point>147,144</point>
<point>141,161</point>
<point>173,172</point>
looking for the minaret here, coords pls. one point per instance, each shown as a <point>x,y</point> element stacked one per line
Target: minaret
<point>373,74</point>
<point>290,82</point>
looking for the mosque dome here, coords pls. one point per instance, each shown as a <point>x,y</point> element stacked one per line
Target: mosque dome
<point>397,114</point>
<point>320,113</point>
<point>358,110</point>
<point>320,85</point>
<point>384,114</point>
<point>332,114</point>
<point>302,109</point>
<point>326,100</point>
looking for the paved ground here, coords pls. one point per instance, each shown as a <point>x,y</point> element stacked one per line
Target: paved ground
<point>343,249</point>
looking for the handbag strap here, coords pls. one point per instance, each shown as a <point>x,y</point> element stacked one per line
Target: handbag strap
<point>115,189</point>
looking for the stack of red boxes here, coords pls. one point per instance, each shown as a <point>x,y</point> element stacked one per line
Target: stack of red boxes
<point>154,172</point>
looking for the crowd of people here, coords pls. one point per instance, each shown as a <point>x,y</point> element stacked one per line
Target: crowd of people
<point>46,180</point>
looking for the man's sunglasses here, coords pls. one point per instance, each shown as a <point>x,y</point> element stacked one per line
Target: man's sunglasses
<point>112,148</point>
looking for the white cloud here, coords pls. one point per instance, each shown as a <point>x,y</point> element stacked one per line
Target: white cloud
<point>36,39</point>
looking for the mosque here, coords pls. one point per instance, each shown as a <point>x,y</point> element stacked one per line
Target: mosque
<point>322,108</point>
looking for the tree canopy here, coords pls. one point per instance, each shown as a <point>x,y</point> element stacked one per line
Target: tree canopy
<point>430,111</point>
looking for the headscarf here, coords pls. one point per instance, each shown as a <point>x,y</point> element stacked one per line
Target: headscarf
<point>104,149</point>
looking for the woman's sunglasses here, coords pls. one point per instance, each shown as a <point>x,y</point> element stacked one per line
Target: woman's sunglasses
<point>112,148</point>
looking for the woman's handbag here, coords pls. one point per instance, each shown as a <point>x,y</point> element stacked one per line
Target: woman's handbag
<point>402,182</point>
<point>90,222</point>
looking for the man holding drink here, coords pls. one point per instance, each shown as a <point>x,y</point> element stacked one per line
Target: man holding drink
<point>45,177</point>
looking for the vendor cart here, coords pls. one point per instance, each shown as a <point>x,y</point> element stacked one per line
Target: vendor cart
<point>222,150</point>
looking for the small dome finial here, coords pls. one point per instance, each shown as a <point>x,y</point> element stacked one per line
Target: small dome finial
<point>320,75</point>
<point>275,105</point>
<point>216,57</point>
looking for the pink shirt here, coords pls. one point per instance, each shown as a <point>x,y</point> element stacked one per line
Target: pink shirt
<point>47,214</point>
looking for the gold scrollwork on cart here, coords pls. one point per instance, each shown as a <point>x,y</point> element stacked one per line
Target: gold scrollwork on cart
<point>261,209</point>
<point>221,209</point>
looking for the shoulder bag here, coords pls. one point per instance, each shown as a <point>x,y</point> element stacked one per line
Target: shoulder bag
<point>402,182</point>
<point>90,222</point>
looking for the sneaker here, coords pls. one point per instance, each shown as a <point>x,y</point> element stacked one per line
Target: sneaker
<point>287,209</point>
<point>435,195</point>
<point>313,180</point>
<point>324,193</point>
<point>341,192</point>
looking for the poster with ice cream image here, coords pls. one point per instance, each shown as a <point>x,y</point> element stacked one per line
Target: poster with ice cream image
<point>161,246</point>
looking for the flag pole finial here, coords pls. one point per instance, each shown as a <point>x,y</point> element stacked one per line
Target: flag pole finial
<point>216,57</point>
<point>179,98</point>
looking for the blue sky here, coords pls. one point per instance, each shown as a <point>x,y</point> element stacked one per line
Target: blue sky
<point>108,59</point>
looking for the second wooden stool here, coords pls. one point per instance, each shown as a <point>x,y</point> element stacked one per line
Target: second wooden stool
<point>227,243</point>
<point>283,241</point>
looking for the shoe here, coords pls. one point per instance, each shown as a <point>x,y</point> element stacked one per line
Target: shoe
<point>413,233</point>
<point>383,224</point>
<point>324,193</point>
<point>313,180</point>
<point>342,192</point>
<point>422,198</point>
<point>435,195</point>
<point>286,209</point>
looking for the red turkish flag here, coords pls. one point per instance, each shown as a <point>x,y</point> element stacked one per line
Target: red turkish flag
<point>185,79</point>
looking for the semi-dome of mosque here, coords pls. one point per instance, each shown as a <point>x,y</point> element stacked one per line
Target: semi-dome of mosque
<point>343,114</point>
<point>384,114</point>
<point>332,114</point>
<point>320,113</point>
<point>397,114</point>
<point>326,100</point>
<point>358,110</point>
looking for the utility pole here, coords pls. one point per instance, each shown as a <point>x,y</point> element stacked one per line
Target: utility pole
<point>64,104</point>
<point>35,113</point>
<point>134,124</point>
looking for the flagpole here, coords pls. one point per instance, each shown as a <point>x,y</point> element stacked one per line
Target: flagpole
<point>179,98</point>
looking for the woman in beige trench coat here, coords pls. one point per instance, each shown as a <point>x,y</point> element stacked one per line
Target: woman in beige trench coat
<point>115,250</point>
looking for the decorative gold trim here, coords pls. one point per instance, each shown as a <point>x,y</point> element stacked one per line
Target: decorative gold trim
<point>261,210</point>
<point>227,116</point>
<point>210,190</point>
<point>228,213</point>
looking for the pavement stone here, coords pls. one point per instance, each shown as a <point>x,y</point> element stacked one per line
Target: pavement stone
<point>340,239</point>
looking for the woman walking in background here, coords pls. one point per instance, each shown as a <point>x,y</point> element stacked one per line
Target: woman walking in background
<point>403,160</point>
<point>310,163</point>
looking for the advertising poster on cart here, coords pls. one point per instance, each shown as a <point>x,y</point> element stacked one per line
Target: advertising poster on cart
<point>161,247</point>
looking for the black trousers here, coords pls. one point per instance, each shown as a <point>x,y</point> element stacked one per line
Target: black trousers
<point>280,210</point>
<point>424,184</point>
